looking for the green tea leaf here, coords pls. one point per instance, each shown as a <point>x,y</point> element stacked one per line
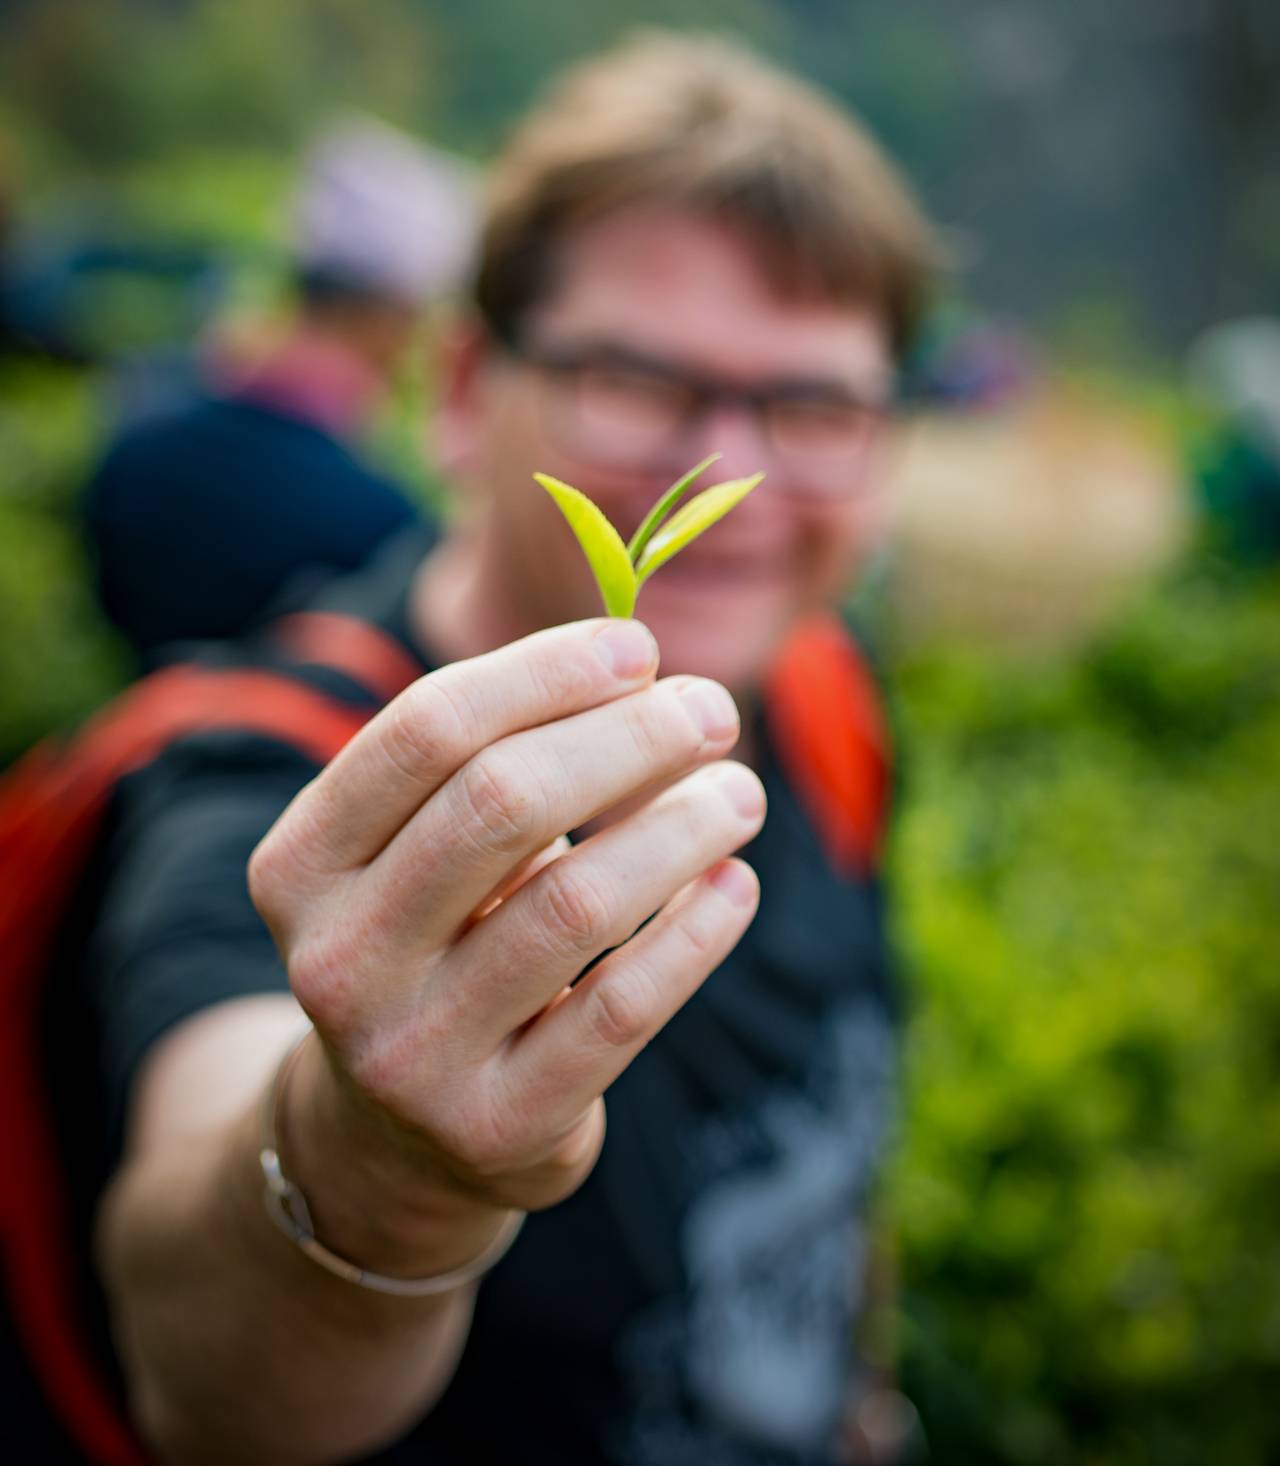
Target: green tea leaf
<point>697,515</point>
<point>601,544</point>
<point>663,507</point>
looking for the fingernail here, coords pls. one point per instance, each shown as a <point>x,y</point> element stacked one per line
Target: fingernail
<point>735,881</point>
<point>626,647</point>
<point>710,707</point>
<point>742,789</point>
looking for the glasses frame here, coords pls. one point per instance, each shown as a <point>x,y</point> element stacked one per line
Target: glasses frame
<point>707,393</point>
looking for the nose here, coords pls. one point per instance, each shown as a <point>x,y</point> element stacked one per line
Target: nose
<point>731,429</point>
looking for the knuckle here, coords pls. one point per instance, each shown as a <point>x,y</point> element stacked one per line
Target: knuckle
<point>336,962</point>
<point>280,880</point>
<point>425,730</point>
<point>384,1065</point>
<point>660,738</point>
<point>450,1117</point>
<point>696,808</point>
<point>700,936</point>
<point>294,854</point>
<point>618,1015</point>
<point>484,1143</point>
<point>578,1151</point>
<point>562,680</point>
<point>580,914</point>
<point>325,980</point>
<point>706,811</point>
<point>501,802</point>
<point>571,1159</point>
<point>264,875</point>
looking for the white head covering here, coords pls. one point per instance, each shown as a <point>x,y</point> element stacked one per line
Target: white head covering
<point>381,212</point>
<point>1237,365</point>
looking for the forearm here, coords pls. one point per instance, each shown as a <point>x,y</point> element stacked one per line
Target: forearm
<point>236,1345</point>
<point>458,1064</point>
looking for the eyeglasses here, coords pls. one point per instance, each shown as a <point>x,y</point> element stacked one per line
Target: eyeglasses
<point>622,409</point>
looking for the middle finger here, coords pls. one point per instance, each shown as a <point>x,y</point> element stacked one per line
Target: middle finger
<point>521,792</point>
<point>516,961</point>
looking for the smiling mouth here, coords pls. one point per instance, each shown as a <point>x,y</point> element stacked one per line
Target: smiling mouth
<point>689,572</point>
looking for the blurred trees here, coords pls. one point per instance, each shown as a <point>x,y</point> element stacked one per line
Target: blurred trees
<point>1106,171</point>
<point>122,83</point>
<point>1242,73</point>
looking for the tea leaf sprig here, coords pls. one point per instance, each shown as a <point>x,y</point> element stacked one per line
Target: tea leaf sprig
<point>621,569</point>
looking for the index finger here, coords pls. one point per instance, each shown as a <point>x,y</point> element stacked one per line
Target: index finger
<point>354,807</point>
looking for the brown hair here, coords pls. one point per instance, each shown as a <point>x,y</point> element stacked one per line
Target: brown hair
<point>700,123</point>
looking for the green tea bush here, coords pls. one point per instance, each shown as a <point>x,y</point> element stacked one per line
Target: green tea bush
<point>1087,1196</point>
<point>58,659</point>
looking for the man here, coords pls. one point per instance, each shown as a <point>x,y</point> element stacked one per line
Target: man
<point>211,499</point>
<point>685,252</point>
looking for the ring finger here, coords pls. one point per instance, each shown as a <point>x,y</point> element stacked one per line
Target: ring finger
<point>516,960</point>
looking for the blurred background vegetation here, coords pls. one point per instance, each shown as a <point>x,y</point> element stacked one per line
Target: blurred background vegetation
<point>1088,678</point>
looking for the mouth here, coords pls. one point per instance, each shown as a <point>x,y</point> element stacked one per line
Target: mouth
<point>722,572</point>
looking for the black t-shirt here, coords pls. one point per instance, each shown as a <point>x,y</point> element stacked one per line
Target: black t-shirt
<point>693,1301</point>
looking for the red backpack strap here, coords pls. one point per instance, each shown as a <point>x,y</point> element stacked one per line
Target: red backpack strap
<point>51,807</point>
<point>827,723</point>
<point>365,653</point>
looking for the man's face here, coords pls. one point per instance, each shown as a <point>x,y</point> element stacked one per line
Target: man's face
<point>661,343</point>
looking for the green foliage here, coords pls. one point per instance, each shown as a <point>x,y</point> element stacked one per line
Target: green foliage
<point>492,70</point>
<point>119,83</point>
<point>57,659</point>
<point>1088,873</point>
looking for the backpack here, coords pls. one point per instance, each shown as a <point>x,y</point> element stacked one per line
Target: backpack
<point>825,719</point>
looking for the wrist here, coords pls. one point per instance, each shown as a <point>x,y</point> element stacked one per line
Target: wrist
<point>370,1198</point>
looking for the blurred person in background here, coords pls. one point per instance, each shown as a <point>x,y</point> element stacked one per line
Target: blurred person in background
<point>401,1041</point>
<point>202,510</point>
<point>1235,370</point>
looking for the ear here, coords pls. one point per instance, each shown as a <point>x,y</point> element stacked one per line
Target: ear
<point>463,352</point>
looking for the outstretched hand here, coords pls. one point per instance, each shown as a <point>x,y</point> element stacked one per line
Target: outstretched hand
<point>435,924</point>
